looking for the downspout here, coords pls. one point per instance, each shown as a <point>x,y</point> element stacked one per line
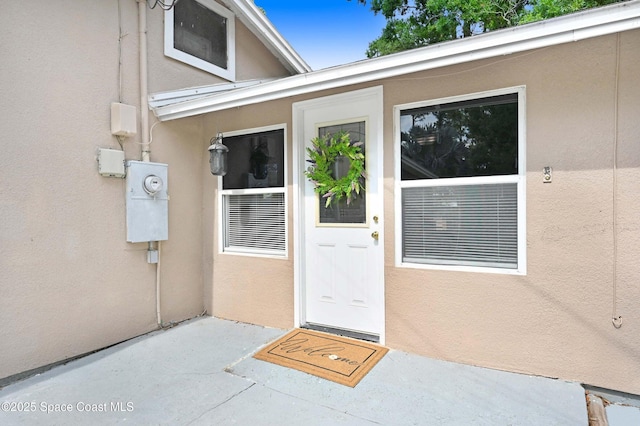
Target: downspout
<point>144,125</point>
<point>144,89</point>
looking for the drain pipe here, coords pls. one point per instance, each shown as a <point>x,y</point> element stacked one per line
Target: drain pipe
<point>144,90</point>
<point>144,125</point>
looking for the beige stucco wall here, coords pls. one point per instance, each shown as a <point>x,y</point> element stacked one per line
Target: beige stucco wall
<point>70,283</point>
<point>556,320</point>
<point>251,289</point>
<point>253,60</point>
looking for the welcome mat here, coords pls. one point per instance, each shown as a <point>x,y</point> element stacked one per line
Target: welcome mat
<point>339,359</point>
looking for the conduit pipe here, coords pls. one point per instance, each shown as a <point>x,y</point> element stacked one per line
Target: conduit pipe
<point>144,125</point>
<point>615,318</point>
<point>144,90</point>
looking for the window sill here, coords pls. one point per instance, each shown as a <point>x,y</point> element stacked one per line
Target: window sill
<point>244,253</point>
<point>476,269</point>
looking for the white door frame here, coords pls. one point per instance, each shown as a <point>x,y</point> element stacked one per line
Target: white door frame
<point>298,167</point>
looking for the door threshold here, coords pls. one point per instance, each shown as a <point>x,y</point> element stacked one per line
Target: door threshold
<point>342,332</point>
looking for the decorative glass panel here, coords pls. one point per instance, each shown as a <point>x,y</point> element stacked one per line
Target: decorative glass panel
<point>339,211</point>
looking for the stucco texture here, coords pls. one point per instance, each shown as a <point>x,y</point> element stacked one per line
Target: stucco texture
<point>556,320</point>
<point>251,289</point>
<point>253,60</point>
<point>70,282</point>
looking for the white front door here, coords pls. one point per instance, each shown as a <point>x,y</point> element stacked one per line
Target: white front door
<point>341,267</point>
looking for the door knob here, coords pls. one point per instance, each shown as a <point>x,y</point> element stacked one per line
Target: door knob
<point>375,235</point>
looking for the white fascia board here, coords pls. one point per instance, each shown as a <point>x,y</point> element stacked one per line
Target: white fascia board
<point>262,28</point>
<point>161,99</point>
<point>566,29</point>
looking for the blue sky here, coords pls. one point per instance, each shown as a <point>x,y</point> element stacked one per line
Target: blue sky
<point>325,32</point>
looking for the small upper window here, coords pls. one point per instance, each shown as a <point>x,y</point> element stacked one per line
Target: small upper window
<point>201,33</point>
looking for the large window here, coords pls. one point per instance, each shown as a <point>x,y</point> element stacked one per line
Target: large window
<point>201,33</point>
<point>460,183</point>
<point>253,199</point>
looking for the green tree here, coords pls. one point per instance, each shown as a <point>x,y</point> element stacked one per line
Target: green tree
<point>544,9</point>
<point>416,23</point>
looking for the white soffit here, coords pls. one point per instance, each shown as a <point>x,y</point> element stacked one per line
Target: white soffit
<point>160,99</point>
<point>579,26</point>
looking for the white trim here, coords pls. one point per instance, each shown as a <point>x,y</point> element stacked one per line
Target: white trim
<point>250,191</point>
<point>173,96</point>
<point>228,73</point>
<point>566,29</point>
<point>520,179</point>
<point>298,164</point>
<point>262,28</point>
<point>280,190</point>
<point>379,90</point>
<point>297,161</point>
<point>476,180</point>
<point>297,168</point>
<point>522,186</point>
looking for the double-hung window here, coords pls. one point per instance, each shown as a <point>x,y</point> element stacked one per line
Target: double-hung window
<point>460,183</point>
<point>201,33</point>
<point>253,198</point>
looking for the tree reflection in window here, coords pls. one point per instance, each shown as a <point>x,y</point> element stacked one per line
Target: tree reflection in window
<point>461,139</point>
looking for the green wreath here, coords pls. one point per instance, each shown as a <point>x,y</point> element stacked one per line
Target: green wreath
<point>322,157</point>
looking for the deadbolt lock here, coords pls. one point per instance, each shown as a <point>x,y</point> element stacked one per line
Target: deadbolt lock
<point>375,219</point>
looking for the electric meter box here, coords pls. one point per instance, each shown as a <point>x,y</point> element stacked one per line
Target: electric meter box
<point>147,202</point>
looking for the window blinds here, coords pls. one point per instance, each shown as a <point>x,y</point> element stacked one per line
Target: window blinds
<point>255,223</point>
<point>473,225</point>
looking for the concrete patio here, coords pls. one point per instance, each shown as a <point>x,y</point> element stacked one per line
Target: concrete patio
<point>202,373</point>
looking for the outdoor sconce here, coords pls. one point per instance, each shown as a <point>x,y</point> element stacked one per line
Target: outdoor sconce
<point>218,156</point>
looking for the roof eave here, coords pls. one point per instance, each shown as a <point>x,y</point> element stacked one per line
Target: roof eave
<point>262,28</point>
<point>596,22</point>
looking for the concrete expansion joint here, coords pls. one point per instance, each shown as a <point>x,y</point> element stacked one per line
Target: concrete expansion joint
<point>315,402</point>
<point>215,407</point>
<point>229,368</point>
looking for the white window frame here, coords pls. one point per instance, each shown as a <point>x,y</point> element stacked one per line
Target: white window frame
<point>520,179</point>
<point>235,251</point>
<point>172,52</point>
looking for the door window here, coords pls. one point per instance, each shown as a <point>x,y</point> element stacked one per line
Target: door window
<point>339,212</point>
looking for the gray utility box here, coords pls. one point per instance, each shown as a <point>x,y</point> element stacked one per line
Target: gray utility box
<point>147,202</point>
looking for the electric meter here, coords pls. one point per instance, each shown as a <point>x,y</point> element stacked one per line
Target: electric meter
<point>152,184</point>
